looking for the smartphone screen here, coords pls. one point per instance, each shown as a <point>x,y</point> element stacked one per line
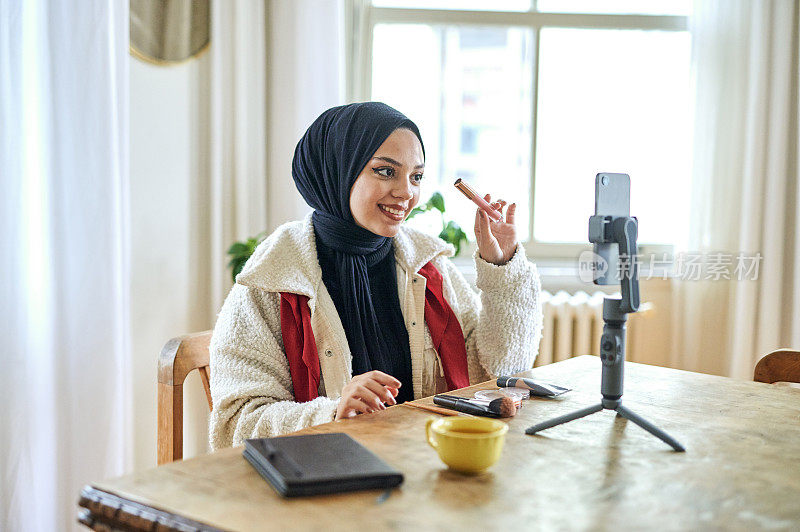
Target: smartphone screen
<point>612,197</point>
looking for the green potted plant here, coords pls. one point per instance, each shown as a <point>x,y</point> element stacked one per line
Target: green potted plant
<point>241,251</point>
<point>451,231</point>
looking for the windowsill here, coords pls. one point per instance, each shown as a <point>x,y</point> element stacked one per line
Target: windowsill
<point>555,274</point>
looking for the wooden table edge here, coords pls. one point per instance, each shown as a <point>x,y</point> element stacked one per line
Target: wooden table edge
<point>103,510</point>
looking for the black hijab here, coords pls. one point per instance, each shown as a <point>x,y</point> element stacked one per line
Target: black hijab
<point>358,266</point>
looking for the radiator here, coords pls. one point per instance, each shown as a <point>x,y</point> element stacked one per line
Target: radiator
<point>573,324</point>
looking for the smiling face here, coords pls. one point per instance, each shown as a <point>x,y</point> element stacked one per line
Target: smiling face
<point>388,187</point>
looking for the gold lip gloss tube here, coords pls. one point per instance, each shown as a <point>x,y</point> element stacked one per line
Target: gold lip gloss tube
<point>479,201</point>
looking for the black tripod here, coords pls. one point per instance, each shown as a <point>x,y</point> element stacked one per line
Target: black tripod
<point>621,230</point>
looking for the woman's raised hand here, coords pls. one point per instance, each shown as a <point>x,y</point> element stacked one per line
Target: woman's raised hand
<point>497,241</point>
<point>367,393</point>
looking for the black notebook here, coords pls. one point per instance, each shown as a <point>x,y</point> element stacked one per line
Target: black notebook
<point>318,463</point>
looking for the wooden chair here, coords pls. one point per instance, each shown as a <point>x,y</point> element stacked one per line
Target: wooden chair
<point>782,365</point>
<point>178,358</point>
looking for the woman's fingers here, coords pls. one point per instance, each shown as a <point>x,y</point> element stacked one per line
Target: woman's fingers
<point>511,214</point>
<point>486,230</point>
<point>499,205</point>
<point>367,393</point>
<point>488,198</point>
<point>369,397</point>
<point>383,378</point>
<point>357,405</point>
<point>381,391</point>
<point>350,406</point>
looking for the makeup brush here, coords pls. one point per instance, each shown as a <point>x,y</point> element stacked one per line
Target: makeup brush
<point>502,407</point>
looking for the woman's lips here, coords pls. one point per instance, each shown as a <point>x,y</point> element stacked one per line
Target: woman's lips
<point>393,213</point>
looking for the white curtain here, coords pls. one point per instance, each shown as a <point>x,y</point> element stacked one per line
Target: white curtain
<point>236,86</point>
<point>746,194</point>
<point>274,67</point>
<point>64,255</point>
<point>306,76</point>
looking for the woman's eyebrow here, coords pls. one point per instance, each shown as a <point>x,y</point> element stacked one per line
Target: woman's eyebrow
<point>396,163</point>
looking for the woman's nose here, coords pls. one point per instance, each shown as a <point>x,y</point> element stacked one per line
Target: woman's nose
<point>403,189</point>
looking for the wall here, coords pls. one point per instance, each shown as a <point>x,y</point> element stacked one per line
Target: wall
<point>166,120</point>
<point>305,65</point>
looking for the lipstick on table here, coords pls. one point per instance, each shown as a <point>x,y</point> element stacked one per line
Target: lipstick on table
<point>479,201</point>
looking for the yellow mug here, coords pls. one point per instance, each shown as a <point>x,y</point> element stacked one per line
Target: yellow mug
<point>466,444</point>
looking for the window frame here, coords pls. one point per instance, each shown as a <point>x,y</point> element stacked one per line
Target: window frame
<point>362,17</point>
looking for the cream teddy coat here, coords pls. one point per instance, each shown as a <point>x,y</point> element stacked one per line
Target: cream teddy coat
<point>251,386</point>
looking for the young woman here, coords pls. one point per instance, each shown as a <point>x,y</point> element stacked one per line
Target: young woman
<point>348,311</point>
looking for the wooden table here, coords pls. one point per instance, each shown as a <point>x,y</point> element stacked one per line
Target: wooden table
<point>740,471</point>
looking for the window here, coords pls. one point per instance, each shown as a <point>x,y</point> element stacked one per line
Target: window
<point>529,100</point>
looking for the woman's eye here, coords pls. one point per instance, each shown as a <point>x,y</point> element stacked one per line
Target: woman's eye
<point>386,171</point>
<point>417,178</point>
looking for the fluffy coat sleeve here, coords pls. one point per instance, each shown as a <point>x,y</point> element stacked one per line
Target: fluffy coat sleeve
<point>250,381</point>
<point>502,323</point>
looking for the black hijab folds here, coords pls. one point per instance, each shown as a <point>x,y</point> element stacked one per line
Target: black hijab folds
<point>358,266</point>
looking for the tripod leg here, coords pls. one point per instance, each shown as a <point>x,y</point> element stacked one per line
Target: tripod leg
<point>563,419</point>
<point>649,427</point>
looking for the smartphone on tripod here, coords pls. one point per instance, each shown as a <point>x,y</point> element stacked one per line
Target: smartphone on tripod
<point>612,197</point>
<point>614,233</point>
